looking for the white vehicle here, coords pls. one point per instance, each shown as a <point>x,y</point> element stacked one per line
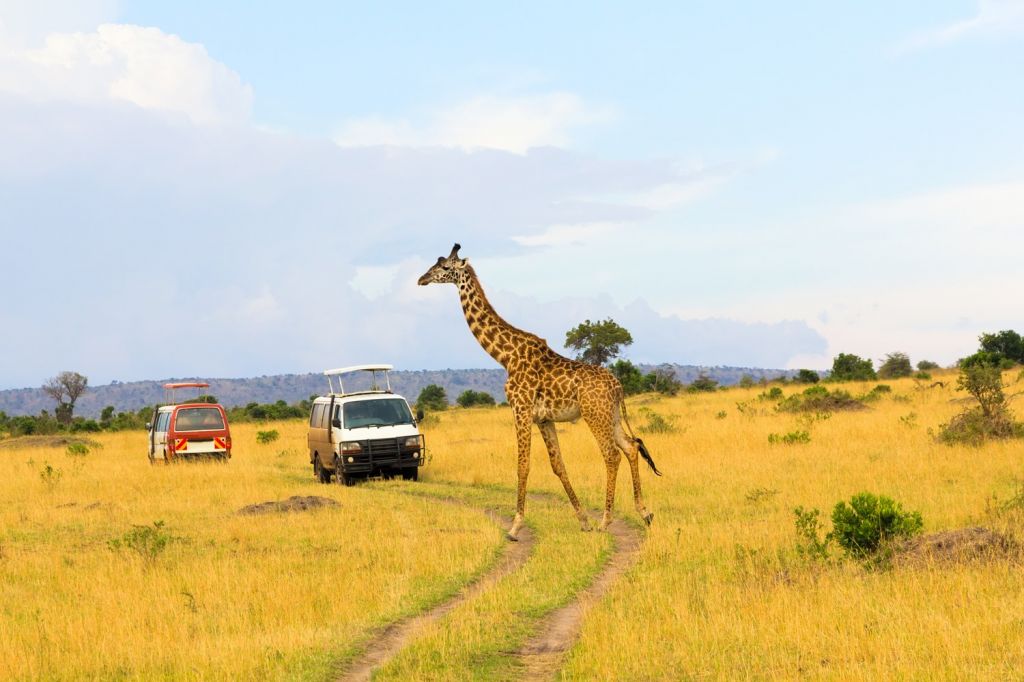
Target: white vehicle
<point>363,432</point>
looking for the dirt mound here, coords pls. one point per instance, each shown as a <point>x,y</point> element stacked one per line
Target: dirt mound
<point>46,442</point>
<point>956,546</point>
<point>295,503</point>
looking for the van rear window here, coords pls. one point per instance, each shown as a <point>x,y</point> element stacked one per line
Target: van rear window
<point>199,419</point>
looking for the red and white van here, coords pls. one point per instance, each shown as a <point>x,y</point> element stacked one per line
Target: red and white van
<point>189,430</point>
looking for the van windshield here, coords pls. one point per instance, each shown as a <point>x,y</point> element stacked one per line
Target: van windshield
<point>199,419</point>
<point>387,412</point>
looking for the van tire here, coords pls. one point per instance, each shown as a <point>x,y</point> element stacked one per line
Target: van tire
<point>347,480</point>
<point>411,474</point>
<point>322,475</point>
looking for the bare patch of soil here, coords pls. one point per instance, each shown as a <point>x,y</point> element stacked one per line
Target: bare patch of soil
<point>295,503</point>
<point>386,643</point>
<point>543,654</point>
<point>47,442</point>
<point>955,547</point>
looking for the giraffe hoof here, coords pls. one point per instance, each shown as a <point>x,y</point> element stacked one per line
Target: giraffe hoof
<point>585,526</point>
<point>648,518</point>
<point>511,538</point>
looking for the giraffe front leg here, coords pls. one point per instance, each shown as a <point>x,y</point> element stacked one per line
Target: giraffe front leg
<point>550,435</point>
<point>523,441</point>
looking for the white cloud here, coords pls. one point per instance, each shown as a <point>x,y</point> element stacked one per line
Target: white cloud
<point>513,124</point>
<point>993,17</point>
<point>568,235</point>
<point>119,62</point>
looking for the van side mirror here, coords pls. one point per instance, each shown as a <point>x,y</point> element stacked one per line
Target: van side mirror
<point>149,426</point>
<point>419,414</point>
<point>336,423</point>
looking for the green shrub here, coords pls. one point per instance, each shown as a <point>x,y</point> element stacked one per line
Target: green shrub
<point>923,376</point>
<point>819,399</point>
<point>146,541</point>
<point>471,398</point>
<point>869,522</point>
<point>746,381</point>
<point>774,393</point>
<point>50,476</point>
<point>702,384</point>
<point>721,414</point>
<point>78,449</point>
<point>656,423</point>
<point>849,367</point>
<point>432,398</point>
<point>791,438</point>
<point>991,418</point>
<point>808,528</point>
<point>925,365</point>
<point>876,393</point>
<point>265,437</point>
<point>807,376</point>
<point>895,365</point>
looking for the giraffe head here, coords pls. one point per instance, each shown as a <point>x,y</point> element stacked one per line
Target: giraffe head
<point>448,269</point>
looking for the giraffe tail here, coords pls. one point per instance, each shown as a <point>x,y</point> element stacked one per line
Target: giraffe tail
<point>646,455</point>
<point>640,444</point>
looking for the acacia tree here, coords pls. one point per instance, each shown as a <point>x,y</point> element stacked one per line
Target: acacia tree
<point>597,342</point>
<point>65,389</point>
<point>895,365</point>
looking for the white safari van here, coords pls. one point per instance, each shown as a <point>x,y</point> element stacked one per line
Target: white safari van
<point>364,431</point>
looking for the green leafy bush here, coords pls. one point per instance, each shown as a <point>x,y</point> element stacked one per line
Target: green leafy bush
<point>702,384</point>
<point>791,438</point>
<point>656,423</point>
<point>926,365</point>
<point>265,437</point>
<point>991,418</point>
<point>807,376</point>
<point>819,399</point>
<point>146,541</point>
<point>471,398</point>
<point>849,367</point>
<point>923,375</point>
<point>808,527</point>
<point>432,398</point>
<point>869,521</point>
<point>774,393</point>
<point>895,365</point>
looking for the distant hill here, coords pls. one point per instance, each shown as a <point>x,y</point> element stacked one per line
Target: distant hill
<point>295,387</point>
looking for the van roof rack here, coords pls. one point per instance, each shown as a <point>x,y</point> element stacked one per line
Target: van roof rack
<point>171,387</point>
<point>333,374</point>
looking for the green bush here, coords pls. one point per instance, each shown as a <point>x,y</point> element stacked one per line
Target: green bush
<point>991,418</point>
<point>849,367</point>
<point>791,438</point>
<point>895,365</point>
<point>702,384</point>
<point>265,437</point>
<point>432,398</point>
<point>146,541</point>
<point>77,449</point>
<point>656,423</point>
<point>923,375</point>
<point>869,522</point>
<point>808,528</point>
<point>774,393</point>
<point>819,399</point>
<point>471,398</point>
<point>807,376</point>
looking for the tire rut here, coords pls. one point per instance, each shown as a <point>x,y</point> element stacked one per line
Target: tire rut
<point>543,655</point>
<point>386,642</point>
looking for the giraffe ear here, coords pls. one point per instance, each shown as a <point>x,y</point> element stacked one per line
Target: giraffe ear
<point>455,251</point>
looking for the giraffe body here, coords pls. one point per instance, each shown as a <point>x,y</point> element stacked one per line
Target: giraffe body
<point>543,388</point>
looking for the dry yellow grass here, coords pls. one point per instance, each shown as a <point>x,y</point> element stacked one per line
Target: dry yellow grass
<point>718,593</point>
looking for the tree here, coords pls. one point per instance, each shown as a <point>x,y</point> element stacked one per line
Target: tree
<point>747,381</point>
<point>895,365</point>
<point>471,398</point>
<point>663,380</point>
<point>1007,343</point>
<point>849,367</point>
<point>597,342</point>
<point>432,397</point>
<point>807,376</point>
<point>925,365</point>
<point>703,383</point>
<point>629,375</point>
<point>65,389</point>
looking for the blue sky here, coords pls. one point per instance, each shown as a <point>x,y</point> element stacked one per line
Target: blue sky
<point>742,184</point>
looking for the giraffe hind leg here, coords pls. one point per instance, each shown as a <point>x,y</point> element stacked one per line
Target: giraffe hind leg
<point>632,451</point>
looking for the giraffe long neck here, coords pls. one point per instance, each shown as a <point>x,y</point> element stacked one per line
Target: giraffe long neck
<point>495,335</point>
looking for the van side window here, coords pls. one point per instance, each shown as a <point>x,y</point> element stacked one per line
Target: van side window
<point>161,421</point>
<point>323,416</point>
<point>315,418</point>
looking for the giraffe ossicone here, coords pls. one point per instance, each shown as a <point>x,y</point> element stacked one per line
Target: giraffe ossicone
<point>544,387</point>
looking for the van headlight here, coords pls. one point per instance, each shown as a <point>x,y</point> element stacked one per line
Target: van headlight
<point>412,442</point>
<point>351,447</point>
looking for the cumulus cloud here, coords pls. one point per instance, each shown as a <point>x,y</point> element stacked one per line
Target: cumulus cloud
<point>118,62</point>
<point>992,17</point>
<point>513,124</point>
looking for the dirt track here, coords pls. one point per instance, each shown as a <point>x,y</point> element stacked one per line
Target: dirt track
<point>543,654</point>
<point>390,640</point>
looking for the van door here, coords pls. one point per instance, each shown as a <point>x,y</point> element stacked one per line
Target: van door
<point>160,435</point>
<point>314,437</point>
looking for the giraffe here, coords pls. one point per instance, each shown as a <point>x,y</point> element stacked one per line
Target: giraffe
<point>544,387</point>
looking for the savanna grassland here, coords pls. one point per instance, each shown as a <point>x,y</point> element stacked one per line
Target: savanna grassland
<point>112,568</point>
